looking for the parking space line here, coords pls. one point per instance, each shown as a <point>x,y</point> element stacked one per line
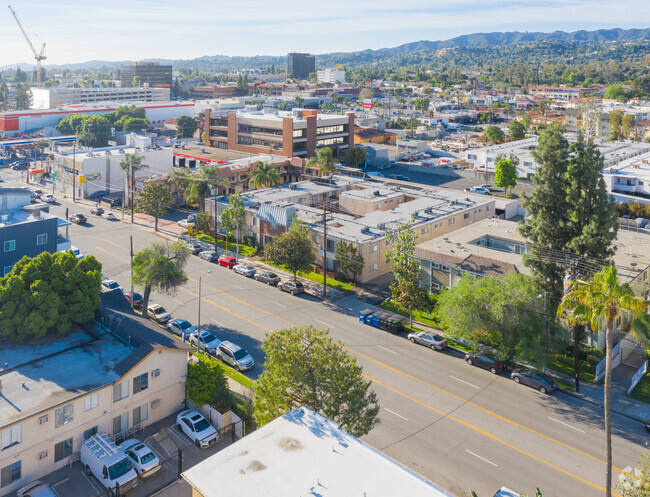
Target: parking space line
<point>463,381</point>
<point>61,482</point>
<point>323,322</point>
<point>237,286</point>
<point>179,302</point>
<point>565,424</point>
<point>92,482</point>
<point>394,413</point>
<point>482,458</point>
<point>387,350</point>
<point>217,322</point>
<point>278,303</point>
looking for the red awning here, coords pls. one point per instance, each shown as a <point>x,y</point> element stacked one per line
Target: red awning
<point>36,171</point>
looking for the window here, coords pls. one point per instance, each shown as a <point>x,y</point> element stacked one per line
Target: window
<point>378,206</point>
<point>471,156</point>
<point>425,230</point>
<point>41,239</point>
<point>10,474</point>
<point>488,208</point>
<point>466,215</point>
<point>374,248</point>
<point>62,450</point>
<point>120,391</point>
<point>140,414</point>
<point>12,436</point>
<point>374,267</point>
<point>90,433</point>
<point>90,402</point>
<point>452,220</point>
<point>140,383</point>
<point>10,245</point>
<point>331,245</point>
<point>7,270</point>
<point>120,423</point>
<point>63,415</point>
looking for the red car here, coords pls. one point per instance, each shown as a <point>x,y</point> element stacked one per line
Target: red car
<point>227,261</point>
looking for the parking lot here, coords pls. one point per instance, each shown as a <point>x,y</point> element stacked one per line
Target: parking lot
<point>165,440</point>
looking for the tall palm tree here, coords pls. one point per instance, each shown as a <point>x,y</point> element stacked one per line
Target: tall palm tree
<point>264,175</point>
<point>196,187</point>
<point>41,144</point>
<point>131,164</point>
<point>325,161</point>
<point>600,303</point>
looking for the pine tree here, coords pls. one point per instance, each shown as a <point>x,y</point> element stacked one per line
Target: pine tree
<point>23,96</point>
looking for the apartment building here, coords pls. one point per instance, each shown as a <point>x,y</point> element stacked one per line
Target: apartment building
<point>300,65</point>
<point>560,93</point>
<point>27,229</point>
<point>154,74</point>
<point>331,76</point>
<point>296,133</point>
<point>115,378</point>
<point>51,98</point>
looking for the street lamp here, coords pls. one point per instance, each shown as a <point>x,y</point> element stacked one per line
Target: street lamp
<point>198,325</point>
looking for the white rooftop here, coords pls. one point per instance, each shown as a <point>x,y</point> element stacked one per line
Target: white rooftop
<point>302,454</point>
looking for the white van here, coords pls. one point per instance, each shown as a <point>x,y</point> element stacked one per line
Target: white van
<point>376,175</point>
<point>108,463</point>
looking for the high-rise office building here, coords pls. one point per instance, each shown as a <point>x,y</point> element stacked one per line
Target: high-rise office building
<point>151,73</point>
<point>300,65</point>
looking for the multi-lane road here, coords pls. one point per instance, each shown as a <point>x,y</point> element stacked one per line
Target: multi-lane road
<point>459,426</point>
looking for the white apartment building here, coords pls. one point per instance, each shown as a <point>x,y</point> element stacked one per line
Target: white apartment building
<point>332,76</point>
<point>51,98</point>
<point>61,390</point>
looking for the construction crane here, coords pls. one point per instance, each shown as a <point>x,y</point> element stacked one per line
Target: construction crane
<point>38,56</point>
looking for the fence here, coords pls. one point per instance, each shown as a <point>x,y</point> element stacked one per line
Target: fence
<point>637,377</point>
<point>616,360</point>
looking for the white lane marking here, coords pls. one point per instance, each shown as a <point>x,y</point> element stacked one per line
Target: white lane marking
<point>237,286</point>
<point>179,302</point>
<point>215,321</point>
<point>387,350</point>
<point>278,303</point>
<point>323,322</point>
<point>392,412</point>
<point>482,458</point>
<point>463,381</point>
<point>563,423</point>
<point>91,480</point>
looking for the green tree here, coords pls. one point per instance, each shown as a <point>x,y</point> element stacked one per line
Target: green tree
<point>41,144</point>
<point>49,292</point>
<point>526,120</point>
<point>137,81</point>
<point>160,267</point>
<point>348,259</point>
<point>422,104</point>
<point>600,303</point>
<point>299,101</point>
<point>264,175</point>
<point>628,126</point>
<point>205,383</point>
<point>516,129</point>
<point>495,134</point>
<point>185,126</point>
<point>196,187</point>
<point>406,292</point>
<point>616,123</point>
<point>4,95</point>
<point>501,312</point>
<point>616,92</point>
<point>233,217</point>
<point>68,125</point>
<point>134,124</point>
<point>325,161</point>
<point>293,250</point>
<point>131,164</point>
<point>305,367</point>
<point>354,156</point>
<point>23,96</point>
<point>505,172</point>
<point>154,199</point>
<point>20,76</point>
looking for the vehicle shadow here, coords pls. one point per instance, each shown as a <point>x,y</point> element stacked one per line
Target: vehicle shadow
<point>252,345</point>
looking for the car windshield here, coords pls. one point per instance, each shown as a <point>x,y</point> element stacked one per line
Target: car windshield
<point>148,457</point>
<point>112,285</point>
<point>249,268</point>
<point>183,325</point>
<point>298,285</point>
<point>119,469</point>
<point>137,296</point>
<point>271,275</point>
<point>240,354</point>
<point>208,337</point>
<point>201,425</point>
<point>437,337</point>
<point>159,310</point>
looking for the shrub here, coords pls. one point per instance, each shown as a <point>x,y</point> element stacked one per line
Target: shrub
<point>249,240</point>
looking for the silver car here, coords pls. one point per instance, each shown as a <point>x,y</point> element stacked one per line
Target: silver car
<point>235,356</point>
<point>209,342</point>
<point>208,255</point>
<point>245,270</point>
<point>431,340</point>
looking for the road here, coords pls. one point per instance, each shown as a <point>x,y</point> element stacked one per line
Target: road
<point>458,426</point>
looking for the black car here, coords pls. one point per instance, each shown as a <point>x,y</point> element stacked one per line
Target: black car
<point>293,287</point>
<point>20,166</point>
<point>486,361</point>
<point>98,211</point>
<point>78,218</point>
<point>534,379</point>
<point>268,278</point>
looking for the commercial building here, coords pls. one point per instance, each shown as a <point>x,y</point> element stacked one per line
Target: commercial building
<point>304,453</point>
<point>641,113</point>
<point>27,229</point>
<point>204,92</point>
<point>331,76</point>
<point>300,65</point>
<point>51,98</point>
<point>116,375</point>
<point>560,93</point>
<point>297,133</point>
<point>630,176</point>
<point>151,73</point>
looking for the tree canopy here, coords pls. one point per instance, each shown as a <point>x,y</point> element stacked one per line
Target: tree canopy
<point>186,126</point>
<point>205,383</point>
<point>305,367</point>
<point>325,161</point>
<point>505,172</point>
<point>154,199</point>
<point>293,250</point>
<point>495,134</point>
<point>348,259</point>
<point>264,175</point>
<point>354,156</point>
<point>516,129</point>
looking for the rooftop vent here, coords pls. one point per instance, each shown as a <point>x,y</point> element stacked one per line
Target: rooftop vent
<point>376,193</point>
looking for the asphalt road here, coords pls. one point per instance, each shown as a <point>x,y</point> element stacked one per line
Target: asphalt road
<point>458,426</point>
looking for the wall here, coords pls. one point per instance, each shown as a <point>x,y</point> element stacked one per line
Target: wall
<point>25,235</point>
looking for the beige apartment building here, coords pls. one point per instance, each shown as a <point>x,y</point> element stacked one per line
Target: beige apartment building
<point>61,390</point>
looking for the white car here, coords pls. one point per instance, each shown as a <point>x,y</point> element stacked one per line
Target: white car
<point>108,215</point>
<point>143,459</point>
<point>186,223</point>
<point>245,269</point>
<point>478,190</point>
<point>108,285</point>
<point>36,489</point>
<point>158,313</point>
<point>195,426</point>
<point>209,342</point>
<point>48,197</point>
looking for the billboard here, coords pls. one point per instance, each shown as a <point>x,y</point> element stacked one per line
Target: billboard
<point>367,103</point>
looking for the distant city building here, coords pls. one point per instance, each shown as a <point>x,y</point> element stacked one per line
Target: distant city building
<point>51,98</point>
<point>300,65</point>
<point>332,76</point>
<point>204,92</point>
<point>152,73</point>
<point>560,93</point>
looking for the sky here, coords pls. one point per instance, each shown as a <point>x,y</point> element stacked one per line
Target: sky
<point>79,31</point>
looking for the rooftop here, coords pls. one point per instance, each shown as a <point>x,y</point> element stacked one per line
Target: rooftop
<point>303,453</point>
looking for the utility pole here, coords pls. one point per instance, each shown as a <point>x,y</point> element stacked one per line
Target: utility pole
<point>216,227</point>
<point>74,172</point>
<point>324,251</point>
<point>132,298</point>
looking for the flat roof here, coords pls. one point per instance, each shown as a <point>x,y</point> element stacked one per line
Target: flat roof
<point>303,453</point>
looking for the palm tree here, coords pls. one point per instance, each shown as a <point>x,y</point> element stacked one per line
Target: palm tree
<point>130,164</point>
<point>298,100</point>
<point>600,303</point>
<point>41,144</point>
<point>325,161</point>
<point>264,175</point>
<point>196,187</point>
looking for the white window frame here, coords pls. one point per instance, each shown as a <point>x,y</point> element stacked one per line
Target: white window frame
<point>144,408</point>
<point>41,239</point>
<point>374,248</point>
<point>373,267</point>
<point>63,415</point>
<point>11,436</point>
<point>425,230</point>
<point>91,401</point>
<point>10,243</point>
<point>7,270</point>
<point>122,389</point>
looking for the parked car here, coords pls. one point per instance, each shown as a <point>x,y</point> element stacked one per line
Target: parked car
<point>98,194</point>
<point>185,223</point>
<point>108,216</point>
<point>143,459</point>
<point>486,361</point>
<point>208,255</point>
<point>486,187</point>
<point>293,287</point>
<point>478,190</point>
<point>534,379</point>
<point>401,177</point>
<point>98,211</point>
<point>235,356</point>
<point>227,261</point>
<point>268,278</point>
<point>38,193</point>
<point>135,299</point>
<point>208,342</point>
<point>48,198</point>
<point>108,463</point>
<point>36,489</point>
<point>647,427</point>
<point>431,340</point>
<point>194,248</point>
<point>158,313</point>
<point>78,219</point>
<point>179,326</point>
<point>110,285</point>
<point>245,270</point>
<point>195,426</point>
<point>20,166</point>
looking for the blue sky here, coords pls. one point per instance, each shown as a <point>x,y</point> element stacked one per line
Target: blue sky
<point>78,31</point>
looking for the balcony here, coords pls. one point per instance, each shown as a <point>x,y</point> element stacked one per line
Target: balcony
<point>63,243</point>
